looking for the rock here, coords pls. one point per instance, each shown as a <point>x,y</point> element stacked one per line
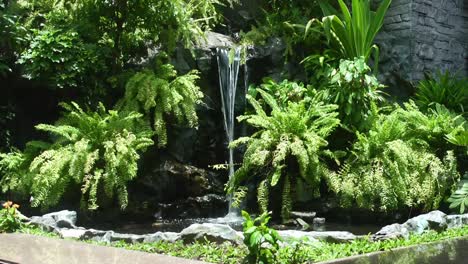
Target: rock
<point>327,236</point>
<point>161,236</point>
<point>318,221</point>
<point>214,40</point>
<point>295,235</point>
<point>194,207</point>
<point>50,222</point>
<point>74,233</point>
<point>213,232</point>
<point>173,180</point>
<point>128,238</point>
<point>306,216</point>
<point>391,232</point>
<point>334,236</point>
<point>457,221</point>
<point>435,220</point>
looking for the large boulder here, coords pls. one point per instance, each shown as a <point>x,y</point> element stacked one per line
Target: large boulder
<point>457,221</point>
<point>53,221</point>
<point>217,233</point>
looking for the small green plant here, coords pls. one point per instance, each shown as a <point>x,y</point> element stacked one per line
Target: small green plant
<point>161,95</point>
<point>355,90</point>
<point>9,219</point>
<point>289,143</point>
<point>98,151</point>
<point>446,89</point>
<point>262,241</point>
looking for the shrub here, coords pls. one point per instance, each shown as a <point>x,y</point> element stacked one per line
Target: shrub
<point>161,95</point>
<point>9,219</point>
<point>443,88</point>
<point>403,162</point>
<point>261,240</point>
<point>290,142</point>
<point>95,150</point>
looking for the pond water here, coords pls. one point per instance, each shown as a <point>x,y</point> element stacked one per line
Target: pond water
<point>450,251</point>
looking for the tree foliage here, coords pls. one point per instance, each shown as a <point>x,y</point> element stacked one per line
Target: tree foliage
<point>289,143</point>
<point>94,150</point>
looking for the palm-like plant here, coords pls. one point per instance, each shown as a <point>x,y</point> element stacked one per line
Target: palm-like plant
<point>352,34</point>
<point>289,143</point>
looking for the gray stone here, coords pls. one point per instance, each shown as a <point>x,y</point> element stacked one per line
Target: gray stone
<point>306,216</point>
<point>217,233</point>
<point>457,221</point>
<point>214,40</point>
<point>63,219</point>
<point>435,220</point>
<point>391,232</point>
<point>128,238</point>
<point>319,221</point>
<point>327,236</point>
<point>161,236</point>
<point>74,233</point>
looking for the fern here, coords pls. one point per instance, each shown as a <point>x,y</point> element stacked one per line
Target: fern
<point>162,94</point>
<point>97,150</point>
<point>290,140</point>
<point>403,161</point>
<point>459,199</point>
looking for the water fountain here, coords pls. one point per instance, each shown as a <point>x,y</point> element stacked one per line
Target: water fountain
<point>228,69</point>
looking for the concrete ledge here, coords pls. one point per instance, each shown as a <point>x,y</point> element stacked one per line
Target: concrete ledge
<point>29,249</point>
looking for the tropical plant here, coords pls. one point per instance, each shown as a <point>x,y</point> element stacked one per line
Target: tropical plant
<point>351,33</point>
<point>289,143</point>
<point>406,156</point>
<point>459,199</point>
<point>283,92</point>
<point>163,94</point>
<point>9,218</point>
<point>446,89</point>
<point>262,241</point>
<point>94,150</point>
<point>355,90</point>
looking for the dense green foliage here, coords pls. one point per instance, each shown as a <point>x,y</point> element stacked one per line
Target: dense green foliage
<point>163,94</point>
<point>95,150</point>
<point>289,143</point>
<point>404,154</point>
<point>355,90</point>
<point>443,88</point>
<point>261,241</point>
<point>9,218</point>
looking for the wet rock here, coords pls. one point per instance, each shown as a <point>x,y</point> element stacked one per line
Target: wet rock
<point>173,180</point>
<point>212,232</point>
<point>194,207</point>
<point>215,40</point>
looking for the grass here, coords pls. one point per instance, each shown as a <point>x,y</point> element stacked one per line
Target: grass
<point>298,252</point>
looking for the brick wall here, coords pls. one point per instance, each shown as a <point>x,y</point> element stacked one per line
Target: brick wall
<point>424,35</point>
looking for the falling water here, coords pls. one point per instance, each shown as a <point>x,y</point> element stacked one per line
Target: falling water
<point>228,69</point>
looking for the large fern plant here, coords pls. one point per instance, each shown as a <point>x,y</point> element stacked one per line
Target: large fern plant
<point>162,96</point>
<point>289,144</point>
<point>97,151</point>
<point>402,162</point>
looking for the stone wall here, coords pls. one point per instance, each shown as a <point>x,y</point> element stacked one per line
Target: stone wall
<point>424,35</point>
